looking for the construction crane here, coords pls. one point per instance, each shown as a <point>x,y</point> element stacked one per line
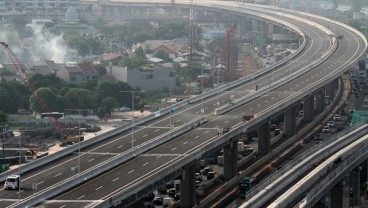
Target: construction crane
<point>23,70</point>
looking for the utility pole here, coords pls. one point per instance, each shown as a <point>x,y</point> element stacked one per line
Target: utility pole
<point>228,74</point>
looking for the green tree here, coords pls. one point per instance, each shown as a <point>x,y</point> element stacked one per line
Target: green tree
<point>101,69</point>
<point>50,80</point>
<point>107,89</point>
<point>140,37</point>
<point>44,99</point>
<point>108,104</point>
<point>79,98</point>
<point>139,52</point>
<point>162,55</point>
<point>170,30</point>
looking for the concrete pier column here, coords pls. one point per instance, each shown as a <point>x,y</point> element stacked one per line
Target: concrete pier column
<point>241,26</point>
<point>270,29</point>
<point>254,25</point>
<point>231,160</point>
<point>187,187</point>
<point>290,122</point>
<point>308,108</point>
<point>217,20</point>
<point>336,195</point>
<point>264,30</point>
<point>355,184</point>
<point>320,101</point>
<point>345,192</point>
<point>329,92</point>
<point>264,141</point>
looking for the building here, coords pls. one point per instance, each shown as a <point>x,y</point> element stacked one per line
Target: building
<point>42,6</point>
<point>71,24</point>
<point>77,73</point>
<point>147,80</point>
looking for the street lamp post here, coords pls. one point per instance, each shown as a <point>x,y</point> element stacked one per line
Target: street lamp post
<point>132,114</point>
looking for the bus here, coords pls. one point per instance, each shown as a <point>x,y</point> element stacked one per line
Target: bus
<point>55,115</point>
<point>244,186</point>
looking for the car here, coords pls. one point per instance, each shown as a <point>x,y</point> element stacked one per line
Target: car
<point>124,108</point>
<point>148,205</point>
<point>331,124</point>
<point>352,109</point>
<point>24,112</point>
<point>177,197</point>
<point>206,170</point>
<point>326,129</point>
<point>157,200</point>
<point>301,113</point>
<point>273,127</point>
<point>170,185</point>
<point>12,182</point>
<point>336,117</point>
<point>210,175</point>
<point>318,137</point>
<point>277,132</point>
<point>171,192</point>
<point>340,37</point>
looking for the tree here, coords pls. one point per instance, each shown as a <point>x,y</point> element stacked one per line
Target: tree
<point>101,69</point>
<point>139,52</point>
<point>162,55</point>
<point>106,89</point>
<point>140,37</point>
<point>45,97</point>
<point>79,98</point>
<point>108,104</point>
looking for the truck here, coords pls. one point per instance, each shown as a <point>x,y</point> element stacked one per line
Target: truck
<point>248,117</point>
<point>244,186</point>
<point>70,139</point>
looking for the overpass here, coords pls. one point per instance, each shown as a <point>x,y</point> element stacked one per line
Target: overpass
<point>145,172</point>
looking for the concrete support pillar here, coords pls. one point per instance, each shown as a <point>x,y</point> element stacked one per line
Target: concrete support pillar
<point>264,141</point>
<point>320,101</point>
<point>335,85</point>
<point>308,108</point>
<point>270,29</point>
<point>254,25</point>
<point>241,26</point>
<point>231,160</point>
<point>217,20</point>
<point>355,184</point>
<point>346,193</point>
<point>329,92</point>
<point>187,187</point>
<point>264,30</point>
<point>290,122</point>
<point>336,195</point>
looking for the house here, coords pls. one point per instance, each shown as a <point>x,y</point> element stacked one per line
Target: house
<point>111,58</point>
<point>9,72</point>
<point>77,73</point>
<point>147,80</point>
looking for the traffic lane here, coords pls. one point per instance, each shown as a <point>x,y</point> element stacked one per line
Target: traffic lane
<point>68,204</point>
<point>46,178</point>
<point>7,202</point>
<point>124,143</point>
<point>119,178</point>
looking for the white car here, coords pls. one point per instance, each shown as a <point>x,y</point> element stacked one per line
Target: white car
<point>326,129</point>
<point>331,124</point>
<point>12,182</point>
<point>336,117</point>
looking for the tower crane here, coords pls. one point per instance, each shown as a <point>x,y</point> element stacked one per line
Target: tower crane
<point>23,70</point>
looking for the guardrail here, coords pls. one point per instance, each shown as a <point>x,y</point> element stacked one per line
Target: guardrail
<point>107,165</point>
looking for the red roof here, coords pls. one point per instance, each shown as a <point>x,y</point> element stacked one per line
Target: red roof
<point>110,56</point>
<point>73,69</point>
<point>87,67</point>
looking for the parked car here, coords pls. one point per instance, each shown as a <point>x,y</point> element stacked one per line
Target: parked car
<point>318,137</point>
<point>157,200</point>
<point>331,124</point>
<point>326,129</point>
<point>171,192</point>
<point>177,197</point>
<point>206,170</point>
<point>336,117</point>
<point>210,175</point>
<point>24,112</point>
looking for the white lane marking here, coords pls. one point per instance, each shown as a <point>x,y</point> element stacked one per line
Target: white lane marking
<point>99,188</point>
<point>185,142</point>
<point>81,197</point>
<point>206,132</point>
<point>250,109</point>
<point>196,137</point>
<point>145,135</point>
<point>40,182</point>
<point>131,171</point>
<point>118,147</point>
<point>145,164</point>
<point>235,117</point>
<point>157,130</point>
<point>173,149</point>
<point>272,98</point>
<point>196,112</point>
<point>159,156</point>
<point>259,105</point>
<point>94,158</point>
<point>116,179</point>
<point>178,120</point>
<point>266,101</point>
<point>226,121</point>
<point>19,192</point>
<point>57,174</point>
<point>62,206</point>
